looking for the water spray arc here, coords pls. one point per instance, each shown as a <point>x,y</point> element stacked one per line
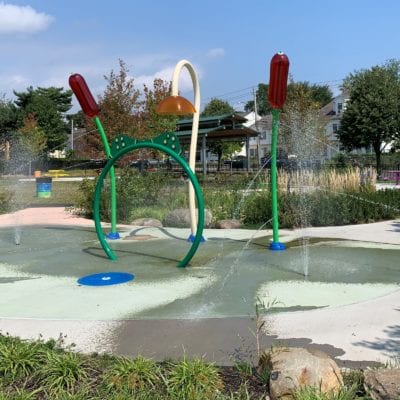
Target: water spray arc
<point>279,69</point>
<point>91,109</point>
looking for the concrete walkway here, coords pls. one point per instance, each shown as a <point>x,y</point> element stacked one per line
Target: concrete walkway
<point>368,331</point>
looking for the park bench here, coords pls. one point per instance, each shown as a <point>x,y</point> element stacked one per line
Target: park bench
<point>56,173</point>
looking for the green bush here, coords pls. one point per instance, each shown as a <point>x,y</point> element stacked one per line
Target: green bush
<point>155,194</point>
<point>320,208</point>
<point>134,191</point>
<point>5,200</point>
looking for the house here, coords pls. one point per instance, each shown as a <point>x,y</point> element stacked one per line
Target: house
<point>260,145</point>
<point>333,111</point>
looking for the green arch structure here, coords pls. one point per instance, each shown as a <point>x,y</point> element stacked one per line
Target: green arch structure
<point>167,143</point>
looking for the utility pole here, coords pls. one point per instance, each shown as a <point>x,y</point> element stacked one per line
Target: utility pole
<point>72,134</point>
<point>255,126</point>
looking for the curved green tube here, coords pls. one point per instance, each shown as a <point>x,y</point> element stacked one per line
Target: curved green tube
<point>188,171</point>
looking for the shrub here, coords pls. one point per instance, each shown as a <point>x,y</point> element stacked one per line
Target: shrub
<point>19,359</point>
<point>63,372</point>
<point>134,190</point>
<point>194,380</point>
<point>132,375</point>
<point>323,208</point>
<point>5,200</point>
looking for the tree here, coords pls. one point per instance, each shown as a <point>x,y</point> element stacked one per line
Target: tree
<point>372,115</point>
<point>320,94</point>
<point>32,137</point>
<point>302,128</point>
<point>120,103</point>
<point>219,147</point>
<point>48,106</point>
<point>152,123</point>
<point>9,119</point>
<point>124,109</point>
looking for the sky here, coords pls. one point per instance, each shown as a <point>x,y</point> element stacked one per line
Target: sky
<point>229,42</point>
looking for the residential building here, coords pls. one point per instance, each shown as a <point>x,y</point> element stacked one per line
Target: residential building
<point>259,146</point>
<point>333,111</point>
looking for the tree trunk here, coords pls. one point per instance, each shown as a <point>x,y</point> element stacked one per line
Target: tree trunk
<point>219,154</point>
<point>377,150</point>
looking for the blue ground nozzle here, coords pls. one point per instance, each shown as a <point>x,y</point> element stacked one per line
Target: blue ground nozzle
<point>277,246</point>
<point>192,237</point>
<point>113,236</point>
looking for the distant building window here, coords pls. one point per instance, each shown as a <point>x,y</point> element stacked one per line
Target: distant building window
<point>252,152</point>
<point>339,108</point>
<point>334,128</point>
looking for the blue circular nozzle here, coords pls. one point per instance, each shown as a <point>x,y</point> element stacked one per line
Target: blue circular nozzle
<point>277,246</point>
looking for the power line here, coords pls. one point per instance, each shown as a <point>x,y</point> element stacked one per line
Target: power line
<point>234,94</point>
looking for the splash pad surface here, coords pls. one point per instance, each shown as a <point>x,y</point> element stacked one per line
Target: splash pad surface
<point>163,312</point>
<point>225,279</point>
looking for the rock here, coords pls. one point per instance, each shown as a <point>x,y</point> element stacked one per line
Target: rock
<point>382,384</point>
<point>147,222</point>
<point>294,367</point>
<point>228,224</point>
<point>180,218</point>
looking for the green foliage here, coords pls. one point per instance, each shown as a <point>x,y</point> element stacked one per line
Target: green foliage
<point>321,208</point>
<point>9,119</point>
<point>314,393</point>
<point>19,359</point>
<point>153,195</point>
<point>6,197</point>
<point>194,380</point>
<point>63,372</point>
<point>372,115</point>
<point>221,148</point>
<point>217,107</point>
<point>133,375</point>
<point>137,193</point>
<point>48,105</point>
<point>318,94</point>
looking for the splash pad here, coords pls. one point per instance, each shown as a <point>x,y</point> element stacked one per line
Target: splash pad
<point>225,279</point>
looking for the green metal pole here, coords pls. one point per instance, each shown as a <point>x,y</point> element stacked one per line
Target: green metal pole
<point>275,245</point>
<point>200,202</point>
<point>114,234</point>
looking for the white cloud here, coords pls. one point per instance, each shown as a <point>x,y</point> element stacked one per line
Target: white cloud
<point>185,81</point>
<point>215,53</point>
<point>22,19</point>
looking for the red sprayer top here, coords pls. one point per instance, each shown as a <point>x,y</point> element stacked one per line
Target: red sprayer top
<point>278,76</point>
<point>82,93</point>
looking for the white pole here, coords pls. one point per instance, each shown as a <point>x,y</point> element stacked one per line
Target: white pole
<point>195,130</point>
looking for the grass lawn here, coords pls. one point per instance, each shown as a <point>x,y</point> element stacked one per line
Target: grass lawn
<point>24,193</point>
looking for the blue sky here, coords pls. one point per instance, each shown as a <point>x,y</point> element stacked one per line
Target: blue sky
<point>230,42</point>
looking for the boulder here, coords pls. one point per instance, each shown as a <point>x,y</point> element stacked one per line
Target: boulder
<point>228,224</point>
<point>180,218</point>
<point>147,222</point>
<point>382,384</point>
<point>292,368</point>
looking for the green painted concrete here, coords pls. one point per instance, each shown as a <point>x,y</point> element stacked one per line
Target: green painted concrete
<point>38,277</point>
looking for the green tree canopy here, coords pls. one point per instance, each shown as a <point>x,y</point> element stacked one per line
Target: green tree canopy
<point>372,115</point>
<point>217,107</point>
<point>320,94</point>
<point>48,106</point>
<point>9,119</point>
<point>221,148</point>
